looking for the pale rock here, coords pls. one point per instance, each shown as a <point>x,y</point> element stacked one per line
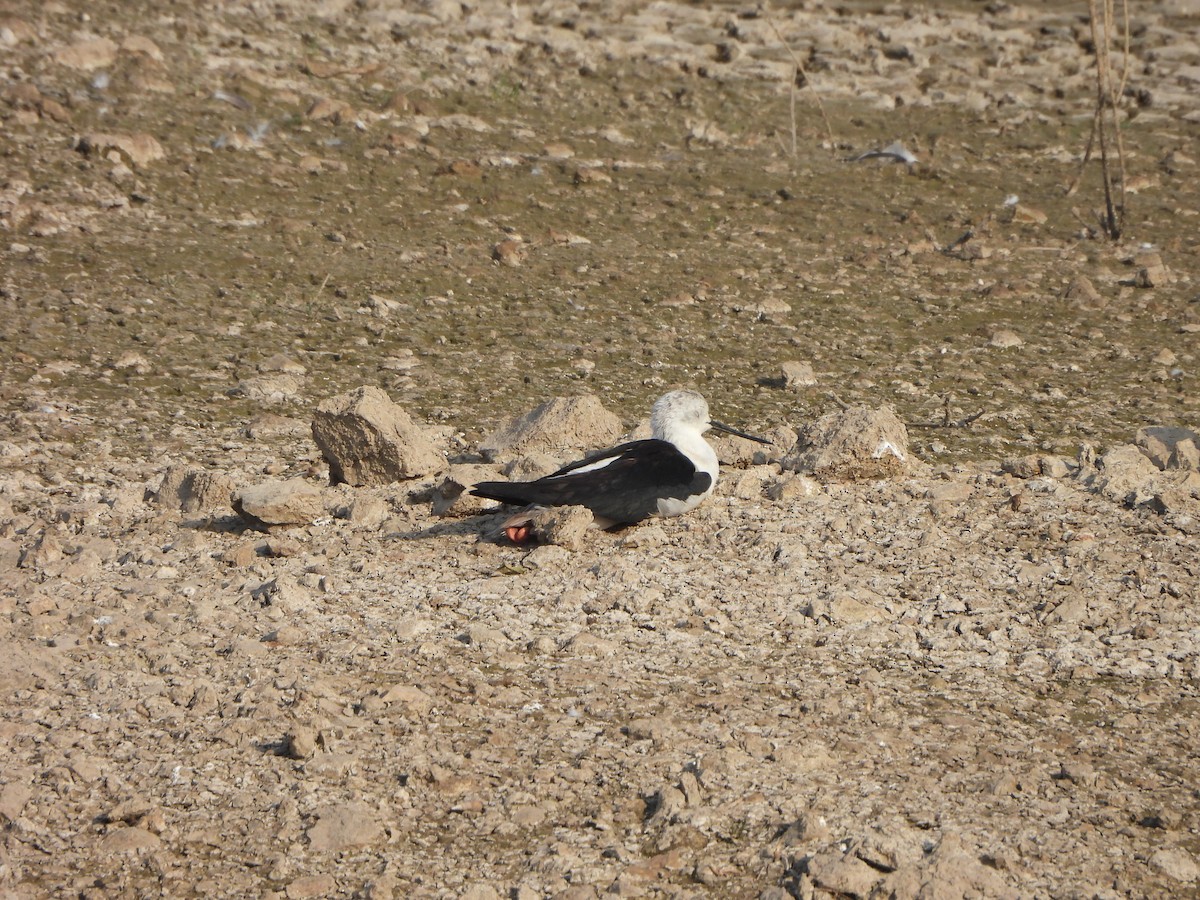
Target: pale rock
<point>1082,293</point>
<point>1125,475</point>
<point>273,388</point>
<point>271,503</point>
<point>308,886</point>
<point>300,743</point>
<point>271,425</point>
<point>281,362</point>
<point>856,443</point>
<point>847,610</point>
<point>95,53</point>
<point>787,488</point>
<point>194,490</point>
<point>835,870</point>
<point>949,870</point>
<point>369,440</point>
<point>344,826</point>
<point>1176,863</point>
<point>452,497</point>
<point>562,526</point>
<point>13,797</point>
<point>798,375</point>
<point>949,491</point>
<point>1022,466</point>
<point>1003,339</point>
<point>564,424</point>
<point>368,513</point>
<point>411,698</point>
<point>129,840</point>
<point>1169,447</point>
<point>137,150</point>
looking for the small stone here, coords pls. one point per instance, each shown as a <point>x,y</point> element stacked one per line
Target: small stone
<point>562,526</point>
<point>329,109</point>
<point>846,610</point>
<point>452,497</point>
<point>1151,271</point>
<point>558,150</point>
<point>96,53</point>
<point>300,743</point>
<point>838,872</point>
<point>278,388</point>
<point>13,797</point>
<point>1022,466</point>
<point>343,826</point>
<point>951,491</point>
<point>137,150</point>
<point>1053,467</point>
<point>308,886</point>
<point>129,840</point>
<point>1003,339</point>
<point>369,440</point>
<point>132,360</point>
<point>509,252</point>
<point>1081,292</point>
<point>788,487</point>
<point>241,556</point>
<point>414,700</point>
<point>294,502</point>
<point>798,375</point>
<point>368,513</point>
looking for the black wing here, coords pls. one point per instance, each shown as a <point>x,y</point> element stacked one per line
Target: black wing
<point>625,490</point>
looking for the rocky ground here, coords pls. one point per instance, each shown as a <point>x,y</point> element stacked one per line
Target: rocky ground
<point>971,675</point>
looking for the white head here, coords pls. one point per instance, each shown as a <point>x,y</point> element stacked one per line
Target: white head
<point>678,409</point>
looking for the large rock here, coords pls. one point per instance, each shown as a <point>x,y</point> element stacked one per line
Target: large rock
<point>1170,448</point>
<point>852,444</point>
<point>558,425</point>
<point>369,440</point>
<point>1126,475</point>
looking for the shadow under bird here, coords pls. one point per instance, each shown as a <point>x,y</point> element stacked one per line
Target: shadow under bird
<point>665,475</point>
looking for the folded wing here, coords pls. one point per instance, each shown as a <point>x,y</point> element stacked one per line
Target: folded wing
<point>623,485</point>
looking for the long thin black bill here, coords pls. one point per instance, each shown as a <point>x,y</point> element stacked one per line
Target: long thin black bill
<point>741,434</point>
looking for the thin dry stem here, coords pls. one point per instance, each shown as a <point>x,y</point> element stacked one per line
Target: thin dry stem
<point>798,71</point>
<point>1106,118</point>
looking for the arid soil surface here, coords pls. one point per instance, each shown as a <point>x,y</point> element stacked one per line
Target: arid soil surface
<point>974,677</point>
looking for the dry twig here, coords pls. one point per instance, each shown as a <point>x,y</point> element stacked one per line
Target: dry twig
<point>1106,122</point>
<point>797,73</point>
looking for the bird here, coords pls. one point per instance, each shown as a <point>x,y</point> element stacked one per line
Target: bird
<point>668,474</point>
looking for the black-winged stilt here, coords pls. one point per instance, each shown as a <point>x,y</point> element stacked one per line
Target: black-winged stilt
<point>666,475</point>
